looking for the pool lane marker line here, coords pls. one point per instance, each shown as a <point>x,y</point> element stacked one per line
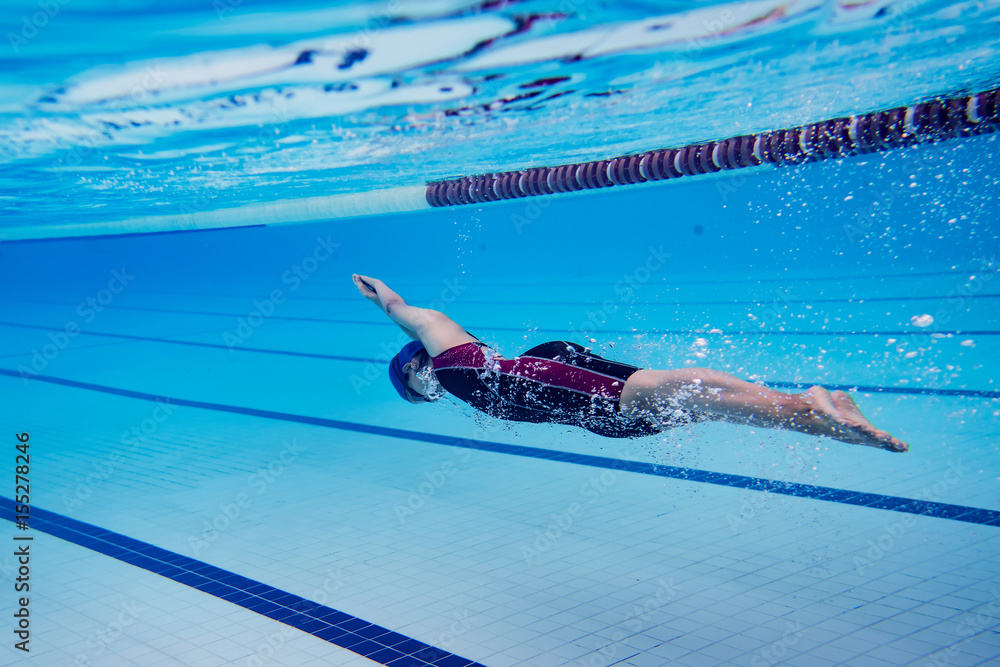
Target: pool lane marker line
<point>871,500</point>
<point>670,332</point>
<point>555,284</point>
<point>869,389</point>
<point>192,343</point>
<point>336,627</point>
<point>738,302</point>
<point>936,120</point>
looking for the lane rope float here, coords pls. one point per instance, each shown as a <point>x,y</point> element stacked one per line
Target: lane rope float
<point>936,120</point>
<point>932,121</point>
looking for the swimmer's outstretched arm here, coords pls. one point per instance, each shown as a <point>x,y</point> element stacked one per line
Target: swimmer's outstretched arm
<point>382,297</point>
<point>434,329</point>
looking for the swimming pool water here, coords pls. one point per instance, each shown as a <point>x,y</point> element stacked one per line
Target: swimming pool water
<point>220,470</point>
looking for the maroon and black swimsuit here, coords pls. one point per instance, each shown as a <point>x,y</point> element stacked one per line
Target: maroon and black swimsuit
<point>557,382</point>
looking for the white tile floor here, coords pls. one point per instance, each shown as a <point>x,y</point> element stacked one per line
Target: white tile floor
<point>89,609</point>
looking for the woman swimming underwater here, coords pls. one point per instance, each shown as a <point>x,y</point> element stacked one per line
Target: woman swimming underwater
<point>561,382</point>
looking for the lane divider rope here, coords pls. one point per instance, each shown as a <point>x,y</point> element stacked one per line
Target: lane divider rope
<point>936,120</point>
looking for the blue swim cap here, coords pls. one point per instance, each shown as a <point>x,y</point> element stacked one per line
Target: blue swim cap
<point>396,373</point>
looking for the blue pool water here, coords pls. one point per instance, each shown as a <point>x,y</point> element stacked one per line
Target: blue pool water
<point>220,470</point>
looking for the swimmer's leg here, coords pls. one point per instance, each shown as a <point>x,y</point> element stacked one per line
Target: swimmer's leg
<point>656,395</point>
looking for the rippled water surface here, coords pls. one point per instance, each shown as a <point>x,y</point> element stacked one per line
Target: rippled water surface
<point>117,109</point>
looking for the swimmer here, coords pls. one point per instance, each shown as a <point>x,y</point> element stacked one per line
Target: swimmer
<point>564,383</point>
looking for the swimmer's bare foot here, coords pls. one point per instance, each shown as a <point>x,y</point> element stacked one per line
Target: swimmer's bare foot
<point>841,419</point>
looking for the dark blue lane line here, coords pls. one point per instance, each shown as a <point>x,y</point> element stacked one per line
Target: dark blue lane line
<point>733,302</point>
<point>873,500</point>
<point>813,279</point>
<point>286,318</point>
<point>874,389</point>
<point>91,346</point>
<point>674,280</point>
<point>161,339</point>
<point>336,627</point>
<point>670,332</point>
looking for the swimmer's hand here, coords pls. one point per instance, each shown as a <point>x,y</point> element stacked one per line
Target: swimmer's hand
<point>368,287</point>
<point>379,293</point>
